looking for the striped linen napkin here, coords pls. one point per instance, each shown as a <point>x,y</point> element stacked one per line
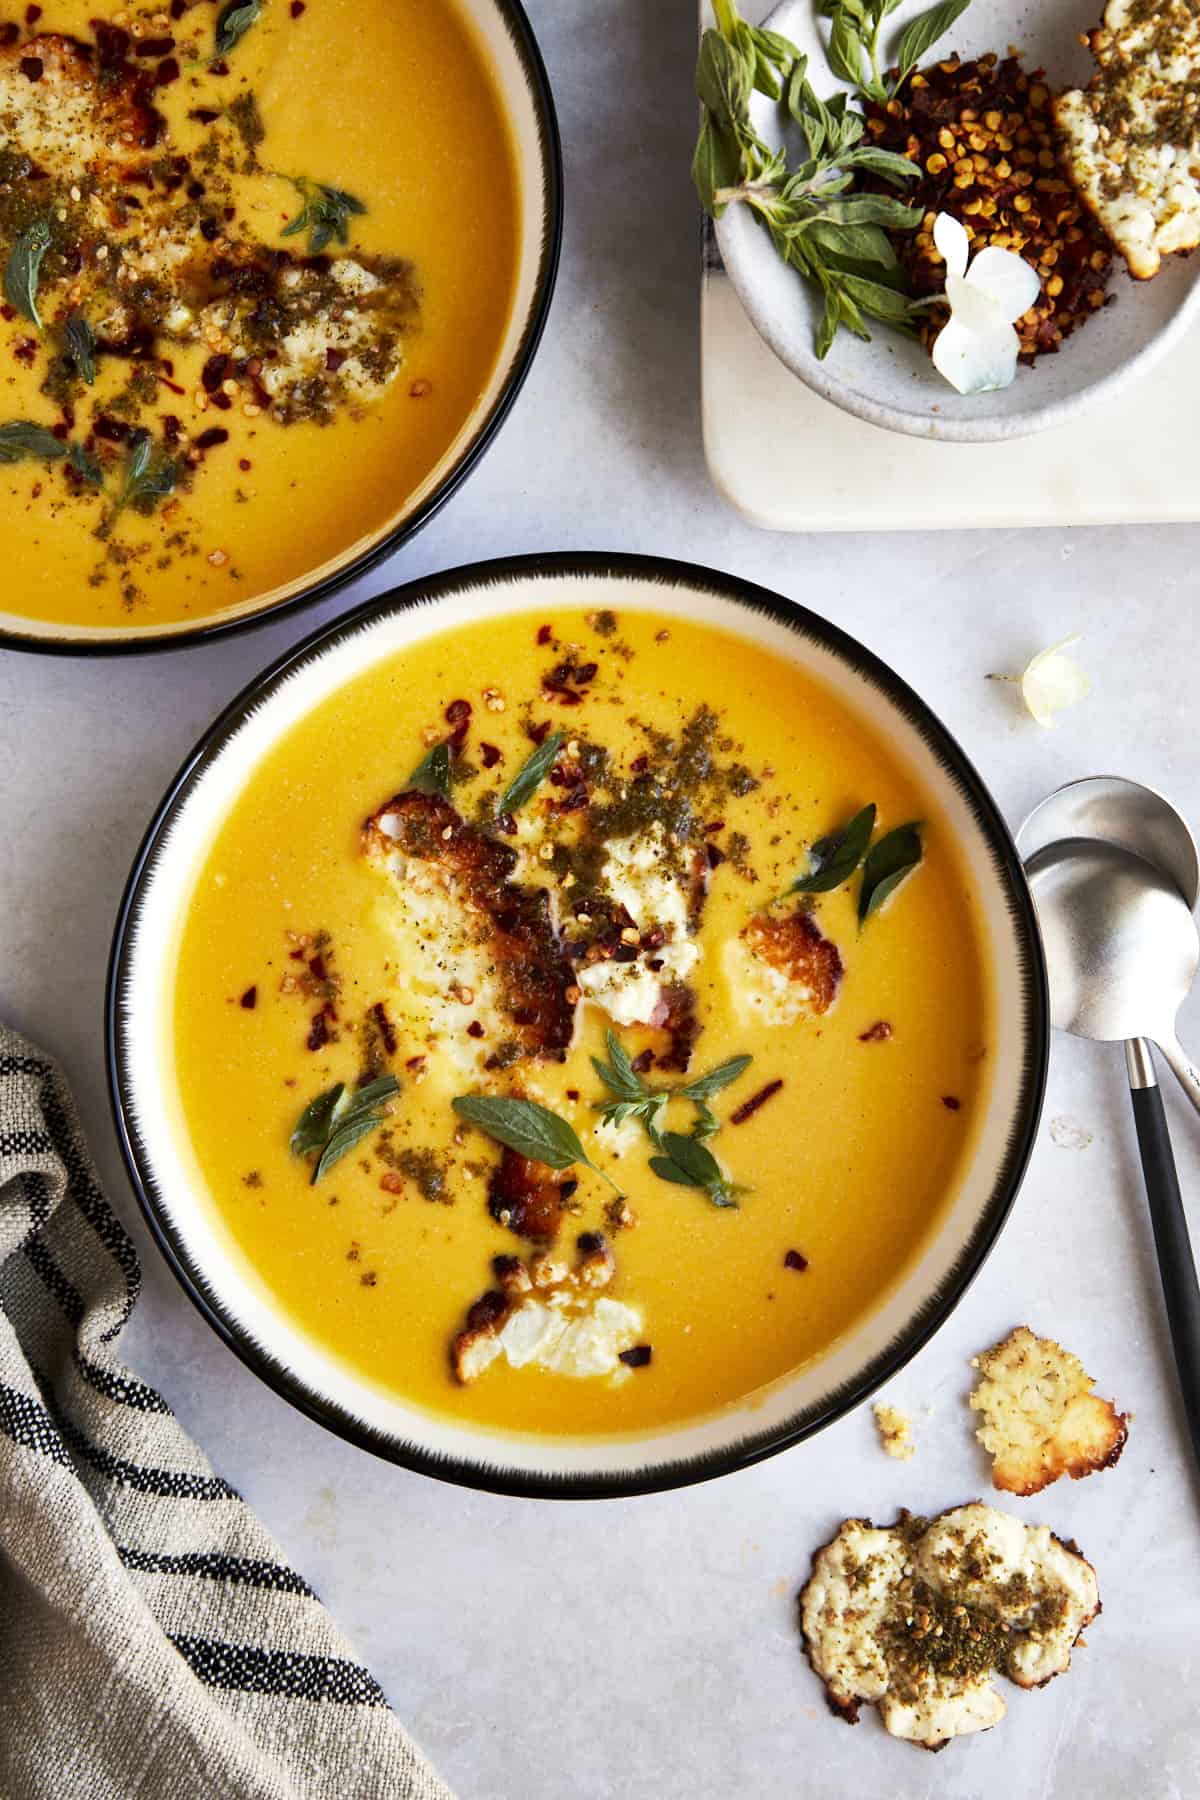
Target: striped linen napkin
<point>153,1642</point>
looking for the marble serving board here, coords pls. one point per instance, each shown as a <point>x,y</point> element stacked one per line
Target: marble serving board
<point>790,461</point>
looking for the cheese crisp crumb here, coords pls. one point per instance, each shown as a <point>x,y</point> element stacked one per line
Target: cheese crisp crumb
<point>895,1432</point>
<point>917,1618</point>
<point>1040,1416</point>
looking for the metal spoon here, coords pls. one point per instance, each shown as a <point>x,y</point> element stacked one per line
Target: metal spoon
<point>1122,950</point>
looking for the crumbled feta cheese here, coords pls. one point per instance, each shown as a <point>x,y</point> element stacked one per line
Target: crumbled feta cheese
<point>553,1319</point>
<point>781,969</point>
<point>638,876</point>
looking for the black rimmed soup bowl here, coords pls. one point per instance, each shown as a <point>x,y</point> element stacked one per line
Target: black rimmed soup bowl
<point>165,1169</point>
<point>264,509</point>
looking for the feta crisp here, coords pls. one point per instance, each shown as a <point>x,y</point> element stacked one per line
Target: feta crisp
<point>917,1618</point>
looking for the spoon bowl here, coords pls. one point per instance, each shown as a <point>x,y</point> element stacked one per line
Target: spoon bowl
<point>1121,943</point>
<point>1117,811</point>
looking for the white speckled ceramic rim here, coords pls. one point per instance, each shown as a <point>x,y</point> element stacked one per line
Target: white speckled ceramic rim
<point>169,1182</point>
<point>511,49</point>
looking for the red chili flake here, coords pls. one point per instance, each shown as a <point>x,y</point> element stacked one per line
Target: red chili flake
<point>475,1029</point>
<point>222,402</point>
<point>951,1103</point>
<point>587,672</point>
<point>318,1031</point>
<point>384,1026</point>
<point>878,1033</point>
<point>415,1063</point>
<point>249,999</point>
<point>155,47</point>
<point>213,373</point>
<point>61,431</point>
<point>244,464</point>
<point>572,1093</point>
<point>317,968</point>
<point>334,360</point>
<point>210,230</point>
<point>177,8</point>
<point>392,1183</point>
<point>8,313</point>
<point>637,1358</point>
<point>296,8</point>
<point>713,856</point>
<point>110,430</point>
<point>32,14</point>
<point>490,755</point>
<point>712,830</point>
<point>172,428</point>
<point>203,115</point>
<point>458,712</point>
<point>538,734</point>
<point>639,765</point>
<point>545,633</point>
<point>166,72</point>
<point>507,824</point>
<point>644,1061</point>
<point>9,34</point>
<point>31,67</point>
<point>219,68</point>
<point>795,1259</point>
<point>749,1107</point>
<point>208,440</point>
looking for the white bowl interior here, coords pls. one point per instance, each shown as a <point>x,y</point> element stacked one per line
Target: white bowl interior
<point>504,48</point>
<point>228,1285</point>
<point>891,381</point>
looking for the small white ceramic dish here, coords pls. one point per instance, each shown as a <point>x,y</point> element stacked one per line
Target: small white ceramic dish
<point>890,381</point>
<point>170,1183</point>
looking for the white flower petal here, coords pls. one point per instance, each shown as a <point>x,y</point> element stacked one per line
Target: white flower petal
<point>1053,680</point>
<point>972,307</point>
<point>950,237</point>
<point>1006,279</point>
<point>975,362</point>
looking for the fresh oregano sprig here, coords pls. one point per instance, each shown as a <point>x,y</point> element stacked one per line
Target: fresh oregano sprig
<point>529,1128</point>
<point>689,1163</point>
<point>20,439</point>
<point>23,270</point>
<point>888,863</point>
<point>855,42</point>
<point>81,347</point>
<point>331,1125</point>
<point>325,215</point>
<point>637,1099</point>
<point>233,22</point>
<point>832,860</point>
<point>834,238</point>
<point>432,773</point>
<point>530,776</point>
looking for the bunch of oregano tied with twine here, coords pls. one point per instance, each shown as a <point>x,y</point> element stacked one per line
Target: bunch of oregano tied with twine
<point>834,237</point>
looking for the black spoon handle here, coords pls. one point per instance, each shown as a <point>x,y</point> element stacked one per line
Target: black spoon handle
<point>1176,1266</point>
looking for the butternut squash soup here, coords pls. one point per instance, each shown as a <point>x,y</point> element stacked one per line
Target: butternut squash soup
<point>580,1020</point>
<point>259,261</point>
